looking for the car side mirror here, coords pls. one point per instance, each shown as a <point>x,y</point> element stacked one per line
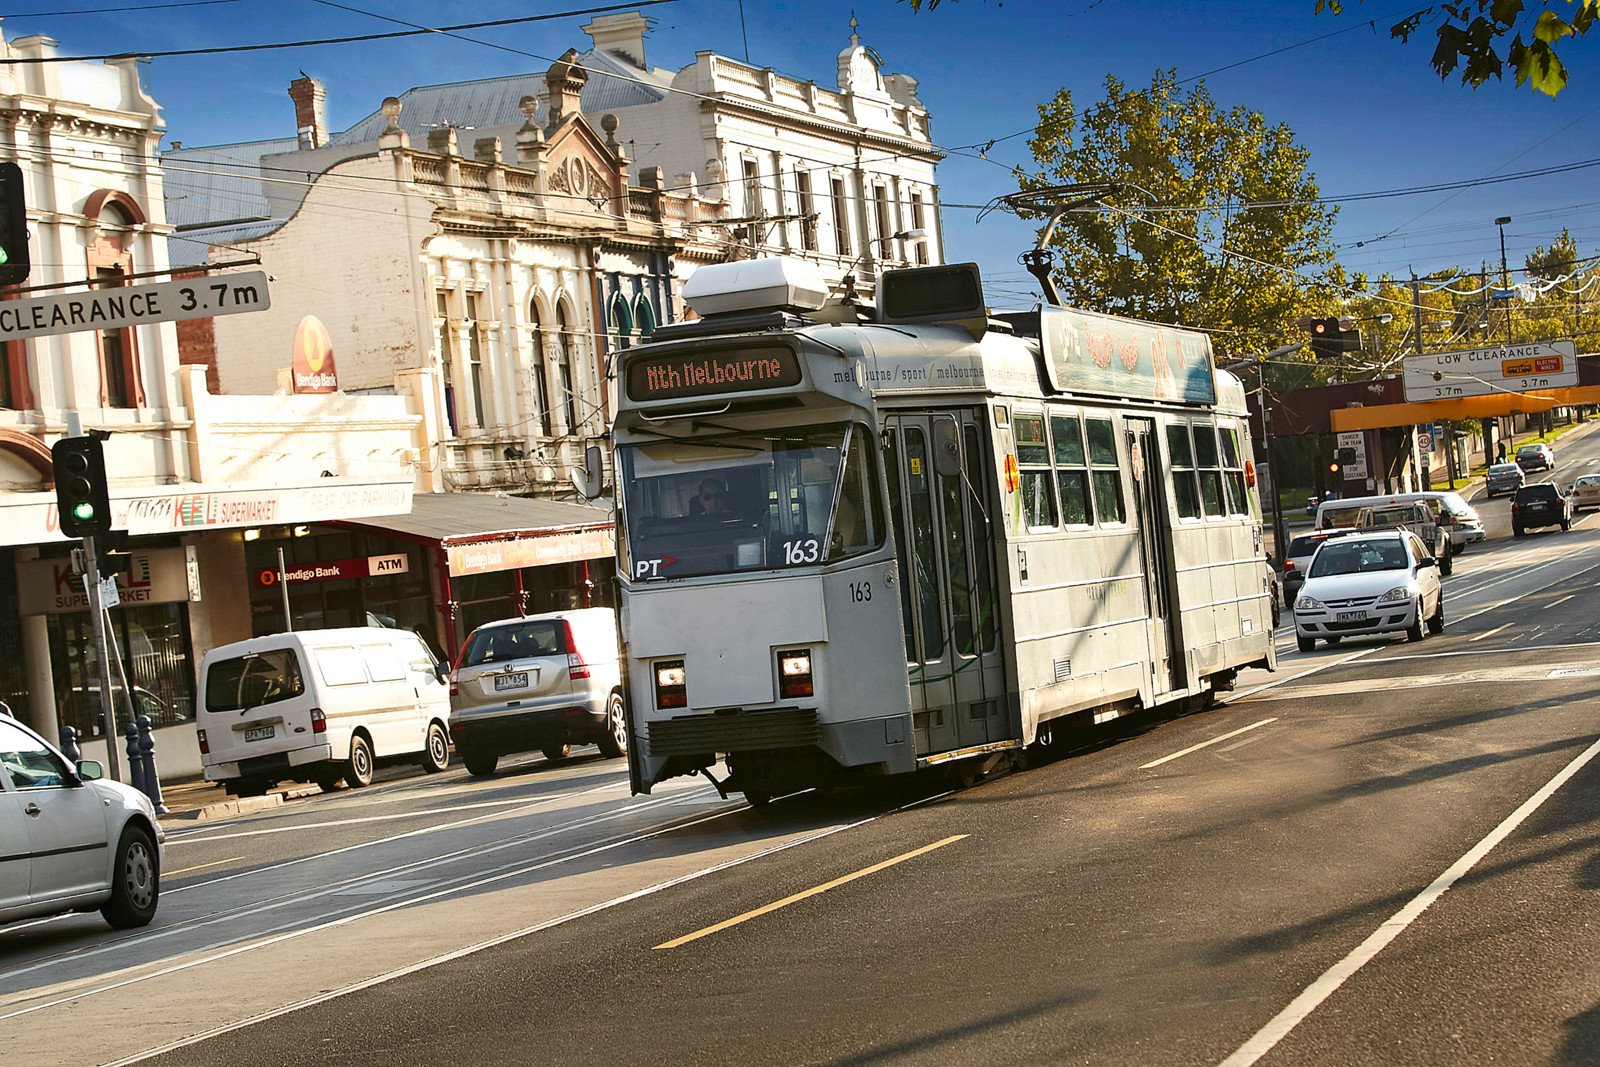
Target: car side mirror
<point>442,674</point>
<point>90,770</point>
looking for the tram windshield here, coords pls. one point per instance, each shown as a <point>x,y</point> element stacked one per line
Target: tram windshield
<point>749,499</point>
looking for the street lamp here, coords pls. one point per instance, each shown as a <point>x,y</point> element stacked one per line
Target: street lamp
<point>1505,275</point>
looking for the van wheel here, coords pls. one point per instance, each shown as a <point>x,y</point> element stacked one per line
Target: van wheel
<point>436,756</point>
<point>614,743</point>
<point>480,764</point>
<point>556,753</point>
<point>358,768</point>
<point>135,881</point>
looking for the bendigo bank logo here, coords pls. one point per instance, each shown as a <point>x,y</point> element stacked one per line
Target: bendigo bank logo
<point>313,370</point>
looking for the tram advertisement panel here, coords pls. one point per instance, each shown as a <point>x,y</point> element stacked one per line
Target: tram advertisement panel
<point>1103,356</point>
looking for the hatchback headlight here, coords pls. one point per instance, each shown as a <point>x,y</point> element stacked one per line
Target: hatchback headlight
<point>1399,592</point>
<point>1306,603</point>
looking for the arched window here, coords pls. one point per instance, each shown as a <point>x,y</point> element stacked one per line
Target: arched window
<point>568,368</point>
<point>536,367</point>
<point>620,320</point>
<point>110,262</point>
<point>646,318</point>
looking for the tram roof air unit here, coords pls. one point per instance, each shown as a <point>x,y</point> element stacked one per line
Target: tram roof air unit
<point>778,283</point>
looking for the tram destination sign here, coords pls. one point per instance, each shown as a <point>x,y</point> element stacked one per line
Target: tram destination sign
<point>1100,355</point>
<point>728,370</point>
<point>121,306</point>
<point>1486,371</point>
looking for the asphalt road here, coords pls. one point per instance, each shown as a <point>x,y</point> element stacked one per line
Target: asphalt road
<point>1370,857</point>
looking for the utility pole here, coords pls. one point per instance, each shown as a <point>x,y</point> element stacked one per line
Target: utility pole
<point>1416,323</point>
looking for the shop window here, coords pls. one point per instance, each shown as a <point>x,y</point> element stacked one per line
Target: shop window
<point>445,345</point>
<point>808,209</point>
<point>536,368</point>
<point>841,217</point>
<point>153,641</point>
<point>567,363</point>
<point>477,330</point>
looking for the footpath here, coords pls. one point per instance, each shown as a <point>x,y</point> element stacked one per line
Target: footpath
<point>195,800</point>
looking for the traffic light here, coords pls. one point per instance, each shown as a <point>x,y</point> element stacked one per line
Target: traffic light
<point>80,472</point>
<point>1330,337</point>
<point>1335,469</point>
<point>13,226</point>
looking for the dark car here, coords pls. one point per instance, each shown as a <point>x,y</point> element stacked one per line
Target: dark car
<point>1536,457</point>
<point>1504,478</point>
<point>1540,505</point>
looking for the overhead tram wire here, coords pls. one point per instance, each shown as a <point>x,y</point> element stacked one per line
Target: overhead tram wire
<point>111,10</point>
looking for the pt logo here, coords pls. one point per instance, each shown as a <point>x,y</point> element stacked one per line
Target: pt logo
<point>651,568</point>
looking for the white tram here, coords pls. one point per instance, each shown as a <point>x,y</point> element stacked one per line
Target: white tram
<point>857,547</point>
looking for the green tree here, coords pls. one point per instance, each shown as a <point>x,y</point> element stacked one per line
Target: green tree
<point>1217,224</point>
<point>1472,36</point>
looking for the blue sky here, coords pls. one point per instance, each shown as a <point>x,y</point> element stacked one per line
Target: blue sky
<point>1370,110</point>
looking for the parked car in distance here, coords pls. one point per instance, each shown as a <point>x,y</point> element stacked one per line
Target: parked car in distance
<point>1540,504</point>
<point>320,706</point>
<point>1536,457</point>
<point>539,682</point>
<point>70,840</point>
<point>1464,524</point>
<point>1586,492</point>
<point>1503,478</point>
<point>1369,583</point>
<point>1295,561</point>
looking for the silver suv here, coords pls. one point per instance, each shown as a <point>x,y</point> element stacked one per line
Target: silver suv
<point>540,681</point>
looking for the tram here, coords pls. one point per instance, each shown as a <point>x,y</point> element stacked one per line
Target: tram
<point>859,542</point>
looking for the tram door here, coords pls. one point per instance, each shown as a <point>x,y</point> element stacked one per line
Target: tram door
<point>1155,553</point>
<point>948,591</point>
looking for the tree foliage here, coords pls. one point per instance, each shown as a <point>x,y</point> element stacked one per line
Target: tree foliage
<point>1185,241</point>
<point>1473,37</point>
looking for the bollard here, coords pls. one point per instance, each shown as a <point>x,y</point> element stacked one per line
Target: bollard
<point>131,732</point>
<point>69,745</point>
<point>146,761</point>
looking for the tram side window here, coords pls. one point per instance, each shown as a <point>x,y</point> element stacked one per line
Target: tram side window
<point>1072,471</point>
<point>1185,485</point>
<point>1207,460</point>
<point>1033,461</point>
<point>1239,502</point>
<point>1107,472</point>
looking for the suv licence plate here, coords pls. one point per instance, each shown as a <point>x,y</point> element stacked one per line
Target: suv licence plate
<point>260,733</point>
<point>511,681</point>
<point>1350,616</point>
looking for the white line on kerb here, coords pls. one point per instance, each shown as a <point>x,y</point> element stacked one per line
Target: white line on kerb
<point>1286,1020</point>
<point>1206,744</point>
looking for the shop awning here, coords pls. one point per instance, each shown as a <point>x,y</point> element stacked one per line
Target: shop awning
<point>483,532</point>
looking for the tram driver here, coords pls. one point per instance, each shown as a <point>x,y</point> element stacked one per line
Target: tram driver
<point>711,498</point>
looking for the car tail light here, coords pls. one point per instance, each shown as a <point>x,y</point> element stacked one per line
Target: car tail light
<point>319,721</point>
<point>1513,505</point>
<point>794,673</point>
<point>205,746</point>
<point>1288,565</point>
<point>576,668</point>
<point>671,691</point>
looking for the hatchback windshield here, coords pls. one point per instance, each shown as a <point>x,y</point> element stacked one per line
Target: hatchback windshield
<point>1505,468</point>
<point>1359,557</point>
<point>745,500</point>
<point>1588,479</point>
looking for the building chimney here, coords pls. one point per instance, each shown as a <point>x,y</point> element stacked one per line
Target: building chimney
<point>309,120</point>
<point>565,81</point>
<point>621,35</point>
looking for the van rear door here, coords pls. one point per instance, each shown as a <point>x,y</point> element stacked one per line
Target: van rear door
<point>256,704</point>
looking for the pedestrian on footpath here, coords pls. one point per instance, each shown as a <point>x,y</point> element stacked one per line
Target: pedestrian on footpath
<point>1500,452</point>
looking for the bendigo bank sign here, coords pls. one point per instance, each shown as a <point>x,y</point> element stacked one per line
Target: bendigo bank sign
<point>736,370</point>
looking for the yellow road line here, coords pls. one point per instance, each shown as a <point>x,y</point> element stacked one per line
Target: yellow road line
<point>203,866</point>
<point>813,891</point>
<point>1489,633</point>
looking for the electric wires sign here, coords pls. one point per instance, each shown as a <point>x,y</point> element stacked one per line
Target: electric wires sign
<point>1486,371</point>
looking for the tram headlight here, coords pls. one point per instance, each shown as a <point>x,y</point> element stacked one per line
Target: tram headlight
<point>670,684</point>
<point>794,673</point>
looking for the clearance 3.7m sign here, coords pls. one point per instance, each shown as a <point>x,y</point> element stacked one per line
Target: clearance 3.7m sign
<point>1497,369</point>
<point>121,306</point>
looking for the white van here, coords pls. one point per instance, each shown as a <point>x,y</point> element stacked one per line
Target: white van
<point>321,705</point>
<point>1454,513</point>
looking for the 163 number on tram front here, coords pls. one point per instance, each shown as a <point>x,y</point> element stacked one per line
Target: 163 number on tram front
<point>854,548</point>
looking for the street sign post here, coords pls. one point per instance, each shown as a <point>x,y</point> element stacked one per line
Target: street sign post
<point>119,306</point>
<point>1486,371</point>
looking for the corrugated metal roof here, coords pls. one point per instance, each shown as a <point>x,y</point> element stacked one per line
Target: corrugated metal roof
<point>192,247</point>
<point>218,183</point>
<point>445,516</point>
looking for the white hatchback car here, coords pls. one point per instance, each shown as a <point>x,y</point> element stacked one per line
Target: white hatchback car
<point>1371,583</point>
<point>71,841</point>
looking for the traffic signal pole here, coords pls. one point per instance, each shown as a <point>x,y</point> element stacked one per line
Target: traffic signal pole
<point>108,704</point>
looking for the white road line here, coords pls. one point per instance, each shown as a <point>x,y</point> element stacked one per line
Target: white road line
<point>469,950</point>
<point>1480,652</point>
<point>1490,633</point>
<point>1286,1020</point>
<point>1563,600</point>
<point>1205,744</point>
